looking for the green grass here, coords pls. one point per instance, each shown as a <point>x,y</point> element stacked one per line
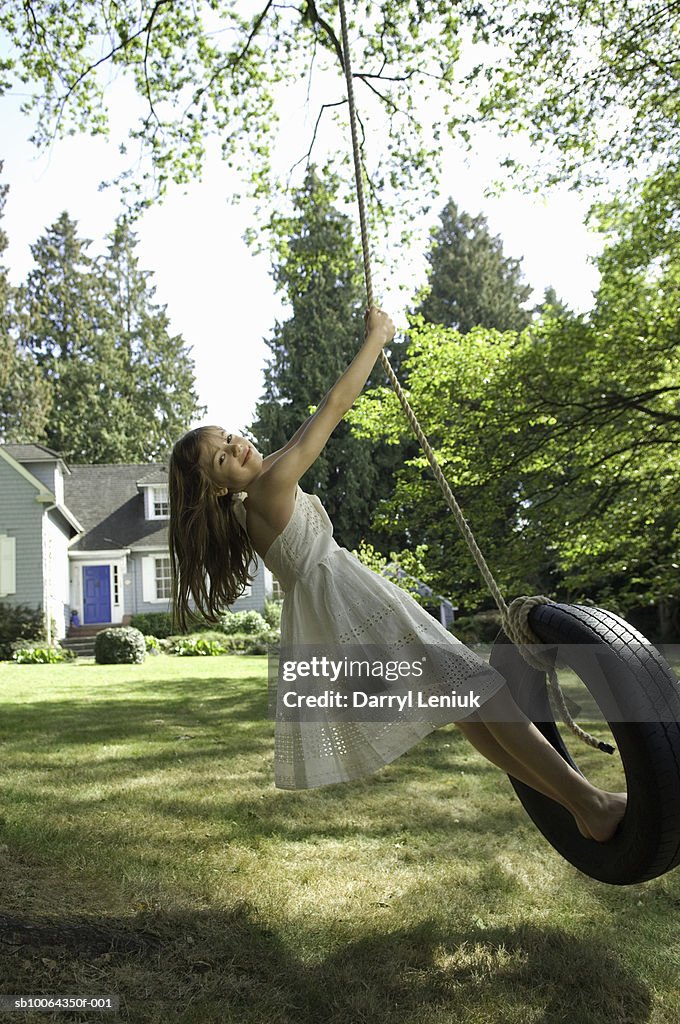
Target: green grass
<point>145,852</point>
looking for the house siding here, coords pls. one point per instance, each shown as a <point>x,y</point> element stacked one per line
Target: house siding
<point>50,475</point>
<point>56,538</point>
<point>260,591</point>
<point>21,517</point>
<point>260,588</point>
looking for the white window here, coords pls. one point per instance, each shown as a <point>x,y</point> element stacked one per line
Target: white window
<point>8,565</point>
<point>160,502</point>
<point>277,593</point>
<point>156,581</point>
<point>163,579</point>
<point>116,586</point>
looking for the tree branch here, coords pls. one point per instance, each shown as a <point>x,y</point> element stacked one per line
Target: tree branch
<point>315,18</point>
<point>326,106</point>
<point>233,60</point>
<point>256,28</point>
<point>145,29</point>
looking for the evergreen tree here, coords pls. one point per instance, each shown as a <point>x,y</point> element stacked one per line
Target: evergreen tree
<point>60,327</point>
<point>121,386</point>
<point>152,392</point>
<point>471,283</point>
<point>317,267</point>
<point>552,304</point>
<point>24,399</point>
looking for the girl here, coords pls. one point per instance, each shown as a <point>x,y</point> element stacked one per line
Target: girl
<point>228,503</point>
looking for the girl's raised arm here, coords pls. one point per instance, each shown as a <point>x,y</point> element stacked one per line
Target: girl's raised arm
<point>287,465</point>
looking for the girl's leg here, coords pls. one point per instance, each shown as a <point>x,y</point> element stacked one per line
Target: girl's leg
<point>503,734</point>
<point>482,740</point>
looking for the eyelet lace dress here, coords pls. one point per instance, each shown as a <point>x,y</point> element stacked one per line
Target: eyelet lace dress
<point>332,600</point>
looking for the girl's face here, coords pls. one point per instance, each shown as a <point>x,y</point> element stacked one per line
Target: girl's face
<point>230,461</point>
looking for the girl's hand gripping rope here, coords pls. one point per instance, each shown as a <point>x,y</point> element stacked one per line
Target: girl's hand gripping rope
<point>378,326</point>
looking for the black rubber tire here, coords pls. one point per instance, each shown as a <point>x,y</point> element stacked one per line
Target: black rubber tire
<point>634,678</point>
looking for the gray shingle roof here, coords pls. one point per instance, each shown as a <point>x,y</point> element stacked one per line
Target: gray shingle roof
<point>31,452</point>
<point>110,505</point>
<point>158,476</point>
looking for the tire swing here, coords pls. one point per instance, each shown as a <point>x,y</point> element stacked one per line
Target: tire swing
<point>638,694</point>
<point>635,690</point>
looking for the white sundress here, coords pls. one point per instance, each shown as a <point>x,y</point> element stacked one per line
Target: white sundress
<point>331,599</point>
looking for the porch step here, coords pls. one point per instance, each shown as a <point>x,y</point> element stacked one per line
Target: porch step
<point>82,645</point>
<point>81,638</point>
<point>90,630</point>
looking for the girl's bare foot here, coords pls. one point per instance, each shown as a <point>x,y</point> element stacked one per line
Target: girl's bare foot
<point>603,817</point>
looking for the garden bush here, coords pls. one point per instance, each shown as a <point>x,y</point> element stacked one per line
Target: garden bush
<point>262,643</point>
<point>158,624</point>
<point>121,645</point>
<point>169,644</point>
<point>198,645</point>
<point>36,655</point>
<point>242,622</point>
<point>272,614</point>
<point>19,622</point>
<point>232,643</point>
<point>479,628</point>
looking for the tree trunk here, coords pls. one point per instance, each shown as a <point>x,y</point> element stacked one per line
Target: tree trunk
<point>669,619</point>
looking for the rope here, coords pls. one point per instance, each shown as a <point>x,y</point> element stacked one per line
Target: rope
<point>514,619</point>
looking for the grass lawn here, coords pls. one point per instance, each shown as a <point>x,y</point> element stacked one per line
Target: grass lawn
<point>145,853</point>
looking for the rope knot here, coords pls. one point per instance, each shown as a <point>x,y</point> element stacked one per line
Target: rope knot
<point>515,622</point>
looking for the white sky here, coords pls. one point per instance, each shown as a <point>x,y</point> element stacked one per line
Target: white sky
<point>219,295</point>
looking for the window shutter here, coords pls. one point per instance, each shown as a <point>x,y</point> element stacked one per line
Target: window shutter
<point>8,574</point>
<point>148,578</point>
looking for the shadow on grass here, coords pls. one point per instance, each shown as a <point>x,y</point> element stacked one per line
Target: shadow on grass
<point>227,967</point>
<point>89,721</point>
<point>209,736</point>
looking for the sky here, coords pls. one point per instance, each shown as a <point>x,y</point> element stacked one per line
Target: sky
<point>219,295</point>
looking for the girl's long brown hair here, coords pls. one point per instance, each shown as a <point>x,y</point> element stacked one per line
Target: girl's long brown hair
<point>210,553</point>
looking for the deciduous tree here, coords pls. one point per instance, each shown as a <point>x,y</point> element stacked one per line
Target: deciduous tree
<point>561,443</point>
<point>593,84</point>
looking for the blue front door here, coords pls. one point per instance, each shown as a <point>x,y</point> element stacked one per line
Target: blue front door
<point>96,594</point>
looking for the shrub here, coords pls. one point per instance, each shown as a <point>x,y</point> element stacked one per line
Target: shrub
<point>242,622</point>
<point>42,655</point>
<point>198,645</point>
<point>121,645</point>
<point>19,622</point>
<point>272,614</point>
<point>233,643</point>
<point>203,626</point>
<point>157,624</point>
<point>171,643</point>
<point>260,644</point>
<point>479,628</point>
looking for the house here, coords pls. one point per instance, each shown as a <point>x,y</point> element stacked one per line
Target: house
<point>439,607</point>
<point>89,543</point>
